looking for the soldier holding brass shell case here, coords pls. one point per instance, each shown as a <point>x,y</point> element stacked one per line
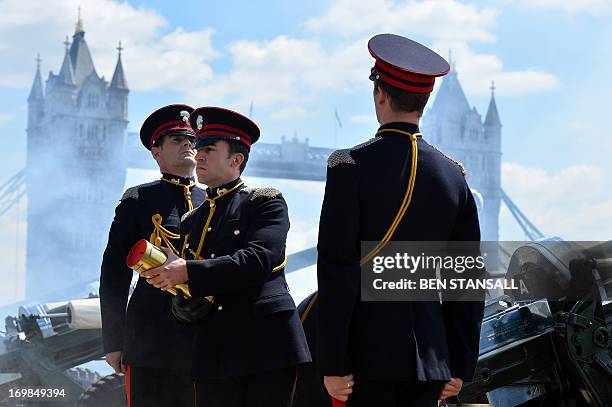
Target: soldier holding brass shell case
<point>248,344</point>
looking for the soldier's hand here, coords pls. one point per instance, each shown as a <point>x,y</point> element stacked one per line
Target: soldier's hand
<point>114,359</point>
<point>339,387</point>
<point>452,388</point>
<point>171,273</point>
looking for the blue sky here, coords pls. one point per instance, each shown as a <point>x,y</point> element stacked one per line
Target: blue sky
<point>298,61</point>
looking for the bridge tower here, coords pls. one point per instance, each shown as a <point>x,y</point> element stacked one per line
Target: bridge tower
<point>458,130</point>
<point>75,168</point>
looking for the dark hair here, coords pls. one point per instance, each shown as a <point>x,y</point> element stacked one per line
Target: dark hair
<point>403,101</point>
<point>237,147</point>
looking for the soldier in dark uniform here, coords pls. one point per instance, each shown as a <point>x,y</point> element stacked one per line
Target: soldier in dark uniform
<point>145,341</point>
<point>393,353</point>
<point>247,348</point>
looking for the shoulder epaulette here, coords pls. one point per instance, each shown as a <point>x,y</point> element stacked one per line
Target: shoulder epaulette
<point>459,164</point>
<point>262,192</point>
<point>133,192</point>
<point>130,193</point>
<point>344,156</point>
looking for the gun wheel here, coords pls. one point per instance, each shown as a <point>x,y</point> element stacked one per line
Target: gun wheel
<point>109,391</point>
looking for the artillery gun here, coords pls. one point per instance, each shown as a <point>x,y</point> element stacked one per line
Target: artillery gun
<point>547,343</point>
<point>41,349</point>
<point>555,351</point>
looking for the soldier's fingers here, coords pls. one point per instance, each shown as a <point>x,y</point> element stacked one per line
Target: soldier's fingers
<point>153,280</point>
<point>150,273</point>
<point>344,392</point>
<point>342,388</point>
<point>345,386</point>
<point>163,284</point>
<point>456,387</point>
<point>157,282</point>
<point>340,397</point>
<point>447,392</point>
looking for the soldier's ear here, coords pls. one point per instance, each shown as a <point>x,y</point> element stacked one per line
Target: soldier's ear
<point>155,151</point>
<point>238,159</point>
<point>380,96</point>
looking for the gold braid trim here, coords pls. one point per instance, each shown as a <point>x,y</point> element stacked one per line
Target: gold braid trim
<point>309,307</point>
<point>280,266</point>
<point>186,190</point>
<point>407,197</point>
<point>213,207</point>
<point>161,233</point>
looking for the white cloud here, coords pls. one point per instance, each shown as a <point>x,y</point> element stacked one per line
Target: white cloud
<point>525,82</point>
<point>6,117</point>
<point>574,203</point>
<point>286,70</point>
<point>153,59</point>
<point>438,18</point>
<point>284,73</point>
<point>450,23</point>
<point>477,70</point>
<point>593,7</point>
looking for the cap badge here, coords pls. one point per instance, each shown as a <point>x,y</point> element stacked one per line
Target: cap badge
<point>185,116</point>
<point>199,122</point>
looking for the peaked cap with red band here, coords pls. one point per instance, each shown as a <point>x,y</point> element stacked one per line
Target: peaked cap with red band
<point>405,64</point>
<point>172,119</point>
<point>212,124</point>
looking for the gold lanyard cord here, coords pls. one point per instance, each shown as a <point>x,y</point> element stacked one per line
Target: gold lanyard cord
<point>407,196</point>
<point>186,191</point>
<point>309,307</point>
<point>161,233</point>
<point>213,208</point>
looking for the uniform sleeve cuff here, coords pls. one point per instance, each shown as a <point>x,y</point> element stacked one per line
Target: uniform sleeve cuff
<point>195,279</point>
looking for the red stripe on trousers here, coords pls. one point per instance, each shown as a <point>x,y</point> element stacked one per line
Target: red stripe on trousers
<point>127,386</point>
